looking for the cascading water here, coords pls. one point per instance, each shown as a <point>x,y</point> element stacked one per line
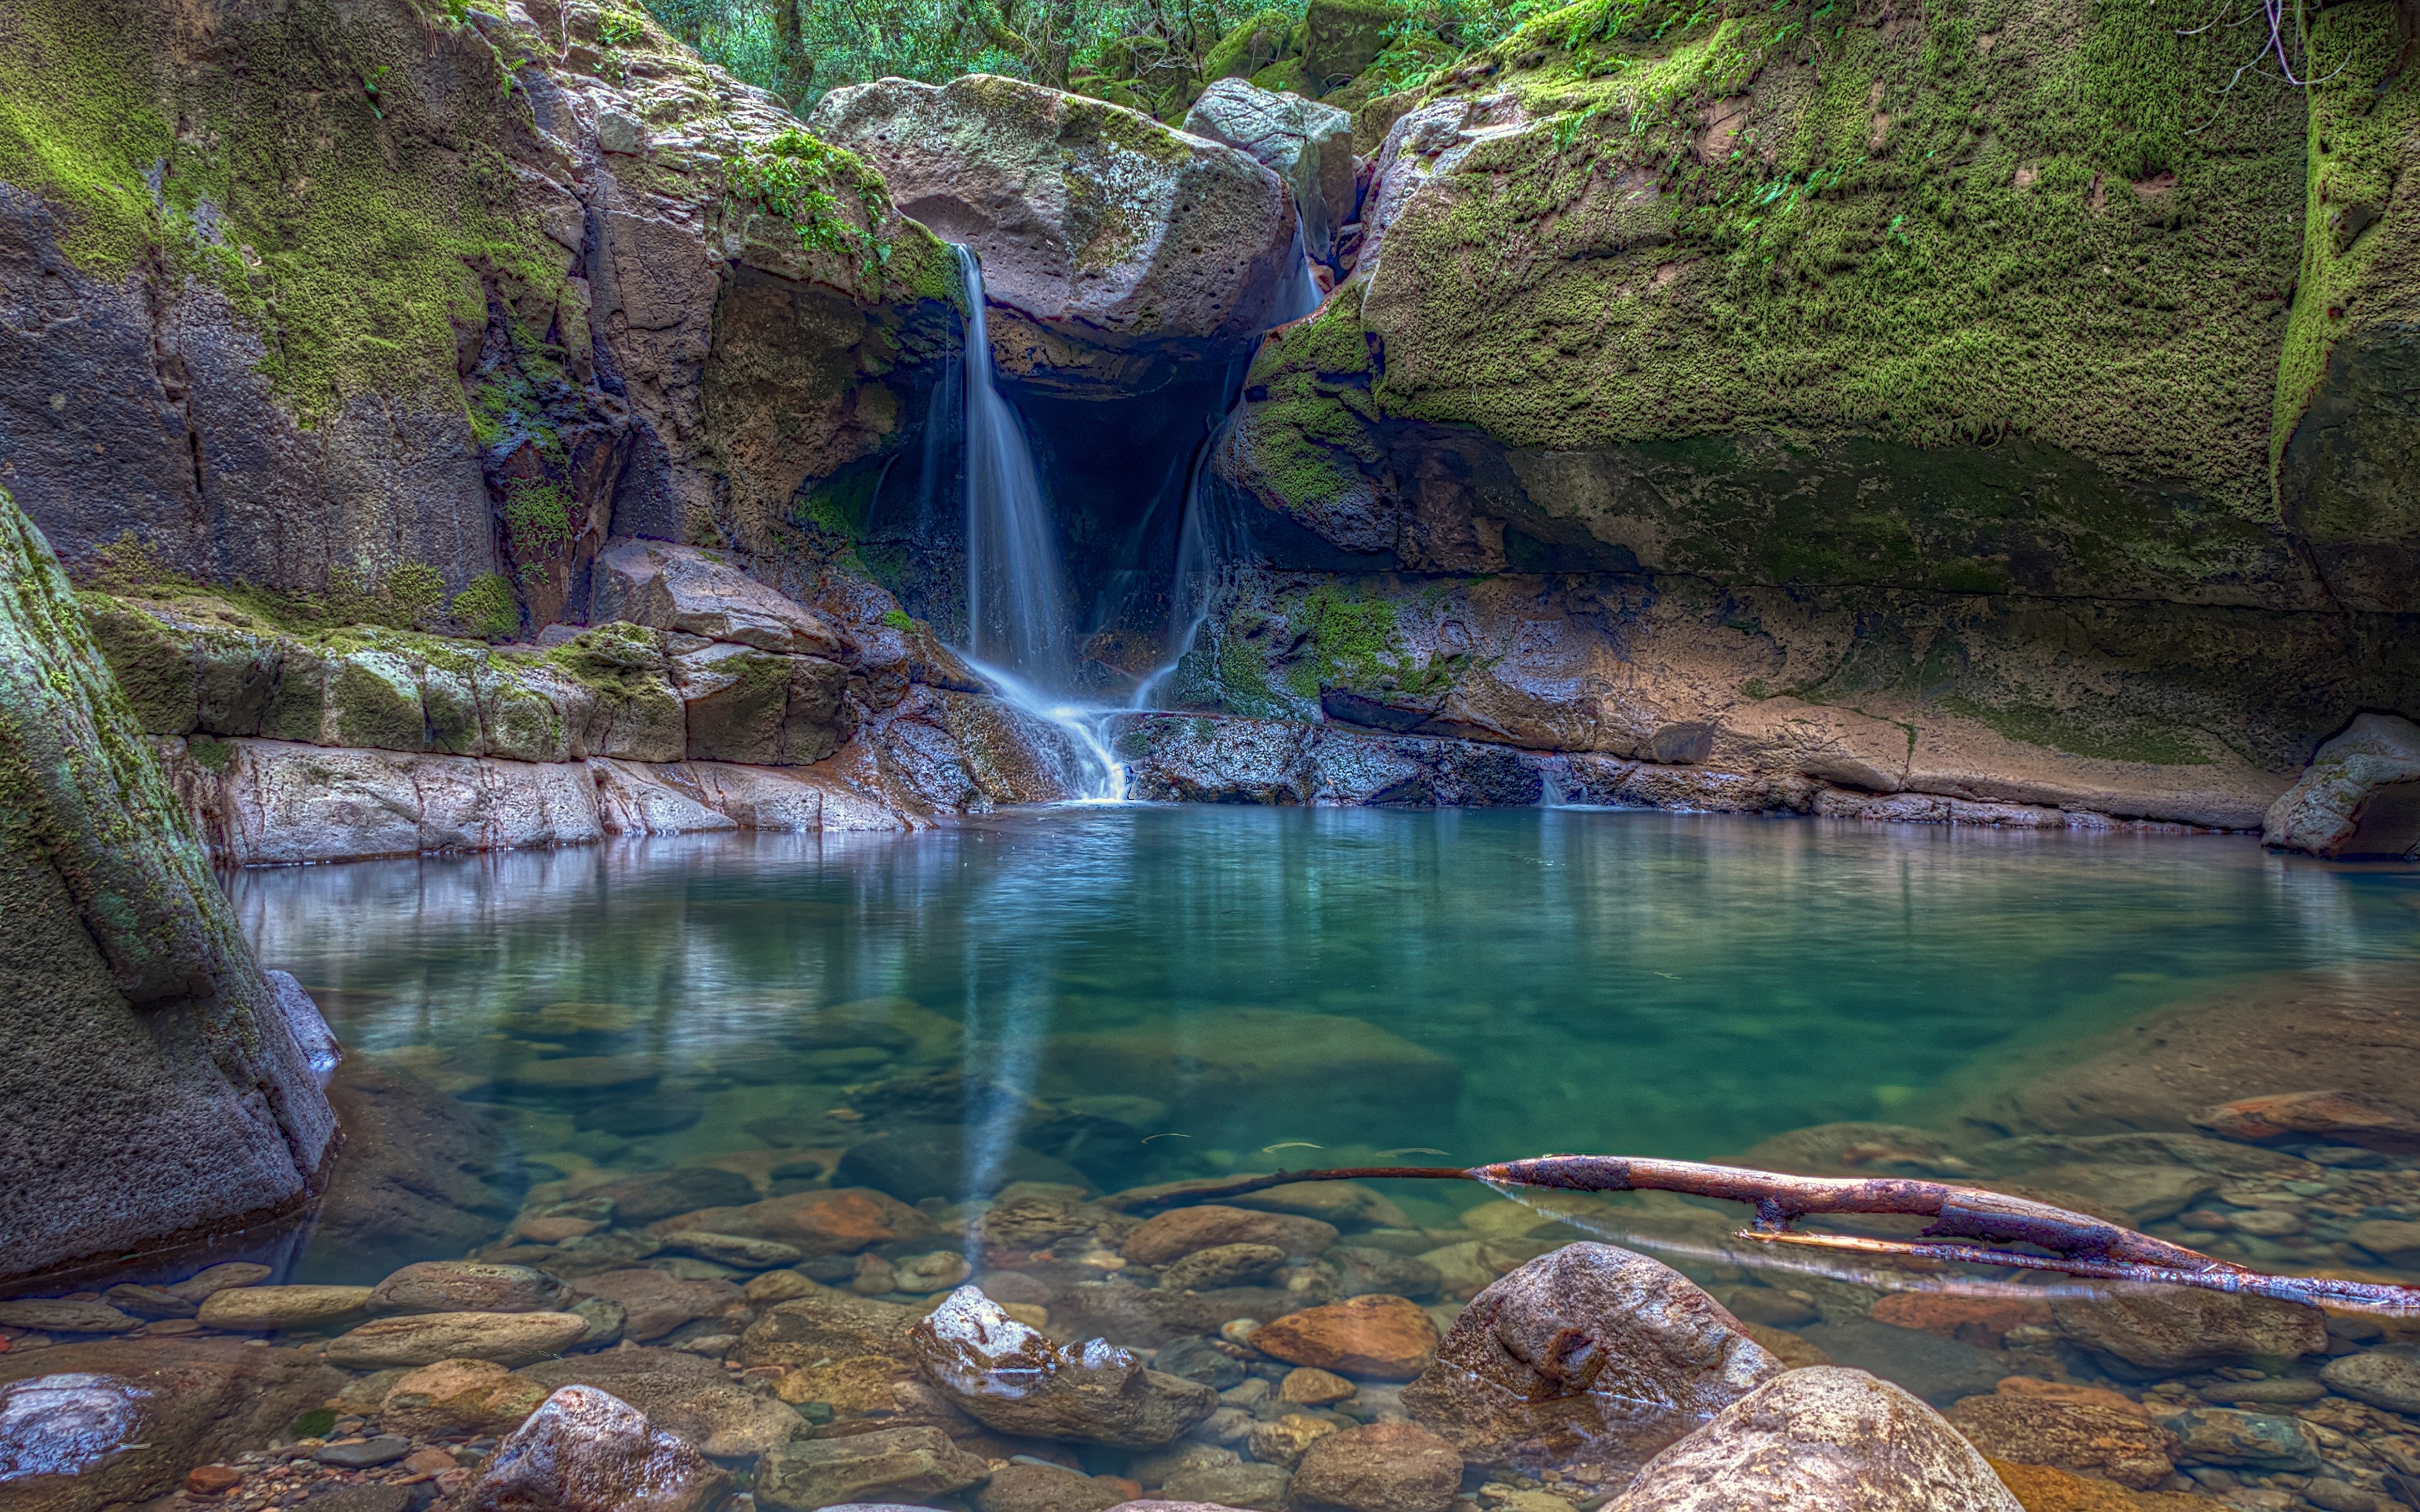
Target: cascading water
<point>1017,605</point>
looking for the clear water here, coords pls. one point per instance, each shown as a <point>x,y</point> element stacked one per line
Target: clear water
<point>1488,985</point>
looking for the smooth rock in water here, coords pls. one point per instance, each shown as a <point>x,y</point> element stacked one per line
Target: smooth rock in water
<point>865,1384</point>
<point>1196,1359</point>
<point>1013,1378</point>
<point>1262,1488</point>
<point>2352,1117</point>
<point>654,1302</point>
<point>1361,1271</point>
<point>472,1397</point>
<point>1322,1076</point>
<point>1308,146</point>
<point>1590,1354</point>
<point>2041,1489</point>
<point>1086,215</point>
<point>923,1274</point>
<point>1381,1467</point>
<point>66,1316</point>
<point>911,1463</point>
<point>147,1301</point>
<point>1285,1439</point>
<point>1019,1487</point>
<point>1348,1205</point>
<point>682,1394</point>
<point>913,1162</point>
<point>687,589</point>
<point>735,1250</point>
<point>586,1451</point>
<point>424,1338</point>
<point>2225,1436</point>
<point>2394,1241</point>
<point>265,1309</point>
<point>2040,1431</point>
<point>468,1287</point>
<point>2132,1194</point>
<point>1183,1231</point>
<point>1825,1439</point>
<point>843,1221</point>
<point>2387,1376</point>
<point>66,1411</point>
<point>1940,1370</point>
<point>825,1324</point>
<point>383,1450</point>
<point>419,1176</point>
<point>1313,1387</point>
<point>1378,1337</point>
<point>2175,1328</point>
<point>2360,796</point>
<point>200,1285</point>
<point>646,1199</point>
<point>1224,1265</point>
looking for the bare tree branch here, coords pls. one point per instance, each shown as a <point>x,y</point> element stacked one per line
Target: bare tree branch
<point>1969,1225</point>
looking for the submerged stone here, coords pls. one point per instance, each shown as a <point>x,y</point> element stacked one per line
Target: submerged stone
<point>918,1464</point>
<point>265,1309</point>
<point>1381,1467</point>
<point>1183,1231</point>
<point>1589,1354</point>
<point>424,1338</point>
<point>2121,1446</point>
<point>468,1287</point>
<point>1381,1337</point>
<point>584,1450</point>
<point>1013,1378</point>
<point>2174,1328</point>
<point>681,1394</point>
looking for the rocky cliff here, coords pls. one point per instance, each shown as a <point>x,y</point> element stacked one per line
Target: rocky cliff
<point>1986,403</point>
<point>159,1085</point>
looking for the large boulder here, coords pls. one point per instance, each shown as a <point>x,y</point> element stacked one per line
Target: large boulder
<point>1821,1440</point>
<point>67,1411</point>
<point>1309,146</point>
<point>1109,243</point>
<point>666,586</point>
<point>2360,796</point>
<point>1589,1354</point>
<point>1014,1379</point>
<point>157,1082</point>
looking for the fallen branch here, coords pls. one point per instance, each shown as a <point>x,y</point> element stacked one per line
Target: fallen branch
<point>1968,1223</point>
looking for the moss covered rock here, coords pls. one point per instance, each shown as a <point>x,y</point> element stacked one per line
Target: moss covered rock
<point>154,1086</point>
<point>1098,222</point>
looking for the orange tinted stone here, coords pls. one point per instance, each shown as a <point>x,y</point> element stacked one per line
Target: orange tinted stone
<point>2068,1391</point>
<point>835,1223</point>
<point>212,1480</point>
<point>1386,1338</point>
<point>1978,1321</point>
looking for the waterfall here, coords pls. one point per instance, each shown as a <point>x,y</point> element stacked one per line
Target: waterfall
<point>1302,295</point>
<point>1017,604</point>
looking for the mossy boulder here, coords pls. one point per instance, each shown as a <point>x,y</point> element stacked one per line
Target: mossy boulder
<point>1340,38</point>
<point>1095,223</point>
<point>1250,46</point>
<point>155,1087</point>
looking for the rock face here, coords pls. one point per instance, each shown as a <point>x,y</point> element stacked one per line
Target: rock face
<point>65,1411</point>
<point>157,1083</point>
<point>2360,796</point>
<point>1820,1440</point>
<point>669,587</point>
<point>1591,1355</point>
<point>1012,1378</point>
<point>1308,146</point>
<point>1112,244</point>
<point>586,1451</point>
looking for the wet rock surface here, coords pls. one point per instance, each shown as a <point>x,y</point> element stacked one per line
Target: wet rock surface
<point>1381,1467</point>
<point>1589,1354</point>
<point>586,1451</point>
<point>1824,1438</point>
<point>1016,1379</point>
<point>907,1464</point>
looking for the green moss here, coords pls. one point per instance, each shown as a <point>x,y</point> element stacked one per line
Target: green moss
<point>804,180</point>
<point>210,754</point>
<point>413,587</point>
<point>900,619</point>
<point>2352,268</point>
<point>1250,46</point>
<point>337,209</point>
<point>488,607</point>
<point>2102,735</point>
<point>315,1424</point>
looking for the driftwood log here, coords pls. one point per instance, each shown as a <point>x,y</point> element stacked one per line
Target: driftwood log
<point>1970,1225</point>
